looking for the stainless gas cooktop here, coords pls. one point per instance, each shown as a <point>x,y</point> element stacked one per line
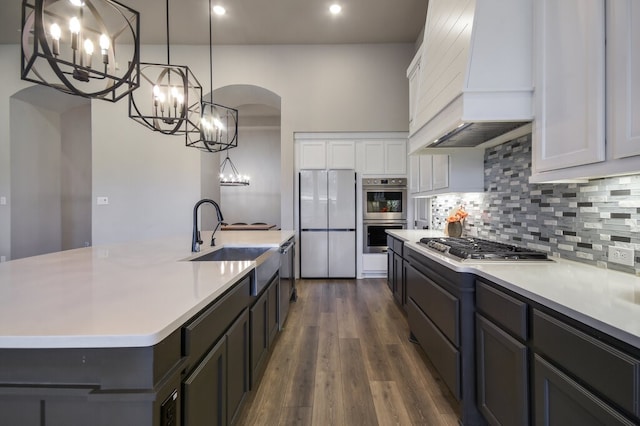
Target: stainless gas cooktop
<point>478,249</point>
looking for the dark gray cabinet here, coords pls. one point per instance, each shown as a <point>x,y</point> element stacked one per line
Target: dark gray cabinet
<point>396,270</point>
<point>582,375</point>
<point>263,328</point>
<point>440,311</point>
<point>204,390</point>
<point>560,400</point>
<point>502,357</point>
<point>237,365</point>
<point>503,395</point>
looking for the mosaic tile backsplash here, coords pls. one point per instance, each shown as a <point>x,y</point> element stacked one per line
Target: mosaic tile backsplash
<point>572,221</point>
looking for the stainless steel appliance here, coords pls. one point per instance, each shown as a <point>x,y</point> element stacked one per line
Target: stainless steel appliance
<point>384,198</point>
<point>477,249</point>
<point>327,223</point>
<point>288,292</point>
<point>374,234</point>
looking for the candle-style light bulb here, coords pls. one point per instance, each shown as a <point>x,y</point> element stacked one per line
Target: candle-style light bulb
<point>56,33</point>
<point>74,27</point>
<point>88,50</point>
<point>105,43</point>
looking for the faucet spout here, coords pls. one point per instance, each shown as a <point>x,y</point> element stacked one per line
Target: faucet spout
<point>195,238</point>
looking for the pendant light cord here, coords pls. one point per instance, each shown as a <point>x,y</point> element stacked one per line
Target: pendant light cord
<point>210,54</point>
<point>167,18</point>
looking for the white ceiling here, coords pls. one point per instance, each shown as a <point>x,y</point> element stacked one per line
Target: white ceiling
<point>263,21</point>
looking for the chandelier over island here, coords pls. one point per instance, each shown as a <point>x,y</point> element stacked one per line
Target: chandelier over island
<point>71,45</point>
<point>168,100</point>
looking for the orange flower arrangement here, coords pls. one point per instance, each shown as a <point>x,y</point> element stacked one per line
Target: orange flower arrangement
<point>458,216</point>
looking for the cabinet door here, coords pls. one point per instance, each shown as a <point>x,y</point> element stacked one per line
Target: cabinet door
<point>502,377</point>
<point>414,173</point>
<point>561,401</point>
<point>398,292</point>
<point>341,155</point>
<point>623,77</point>
<point>237,364</point>
<point>204,390</point>
<point>259,337</point>
<point>426,173</point>
<point>413,74</point>
<point>440,171</point>
<point>395,157</point>
<point>390,274</point>
<point>569,129</point>
<point>272,315</point>
<point>373,157</point>
<point>312,155</point>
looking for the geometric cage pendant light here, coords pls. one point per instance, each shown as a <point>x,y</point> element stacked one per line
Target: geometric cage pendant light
<point>217,129</point>
<point>89,48</point>
<point>168,100</point>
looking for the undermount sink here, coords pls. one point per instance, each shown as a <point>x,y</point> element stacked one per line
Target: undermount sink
<point>267,262</point>
<point>233,254</point>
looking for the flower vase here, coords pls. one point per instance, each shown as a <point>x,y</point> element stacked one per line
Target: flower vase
<point>454,229</point>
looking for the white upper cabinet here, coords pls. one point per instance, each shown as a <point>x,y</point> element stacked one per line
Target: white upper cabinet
<point>587,120</point>
<point>374,153</point>
<point>569,128</point>
<point>313,155</point>
<point>385,157</point>
<point>413,74</point>
<point>458,170</point>
<point>623,71</point>
<point>341,155</point>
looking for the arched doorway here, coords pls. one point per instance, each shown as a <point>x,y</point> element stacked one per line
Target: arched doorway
<point>257,155</point>
<point>50,179</point>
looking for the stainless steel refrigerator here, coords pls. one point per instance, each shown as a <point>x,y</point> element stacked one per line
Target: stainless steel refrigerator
<point>327,223</point>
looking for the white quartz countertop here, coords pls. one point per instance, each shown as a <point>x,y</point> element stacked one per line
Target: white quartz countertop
<point>604,299</point>
<point>124,295</point>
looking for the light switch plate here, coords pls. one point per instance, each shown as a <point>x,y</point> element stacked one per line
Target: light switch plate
<point>3,259</point>
<point>101,201</point>
<point>3,201</point>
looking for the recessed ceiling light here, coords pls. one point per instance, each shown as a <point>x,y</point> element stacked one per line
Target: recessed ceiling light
<point>219,10</point>
<point>335,9</point>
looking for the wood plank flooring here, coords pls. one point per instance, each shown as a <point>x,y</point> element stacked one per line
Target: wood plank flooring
<point>344,358</point>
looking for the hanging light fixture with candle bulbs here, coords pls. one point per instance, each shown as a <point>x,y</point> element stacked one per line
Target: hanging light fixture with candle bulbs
<point>60,43</point>
<point>168,100</point>
<point>218,124</point>
<point>231,177</point>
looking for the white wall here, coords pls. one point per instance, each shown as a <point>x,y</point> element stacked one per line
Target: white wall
<point>153,181</point>
<point>35,185</point>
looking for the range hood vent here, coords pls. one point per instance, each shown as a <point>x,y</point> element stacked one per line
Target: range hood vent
<point>473,76</point>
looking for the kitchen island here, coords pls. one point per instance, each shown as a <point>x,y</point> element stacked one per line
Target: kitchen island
<point>524,342</point>
<point>106,335</point>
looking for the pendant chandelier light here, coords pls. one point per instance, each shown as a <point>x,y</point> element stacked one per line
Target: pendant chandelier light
<point>71,45</point>
<point>218,124</point>
<point>234,178</point>
<point>168,100</point>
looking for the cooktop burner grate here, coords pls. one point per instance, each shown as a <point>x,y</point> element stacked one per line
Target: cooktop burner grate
<point>479,249</point>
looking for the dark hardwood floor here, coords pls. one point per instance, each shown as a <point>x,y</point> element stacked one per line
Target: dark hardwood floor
<point>344,358</point>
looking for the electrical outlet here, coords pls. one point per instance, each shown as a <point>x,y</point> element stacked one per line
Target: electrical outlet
<point>621,255</point>
<point>101,201</point>
<point>3,259</point>
<point>3,201</point>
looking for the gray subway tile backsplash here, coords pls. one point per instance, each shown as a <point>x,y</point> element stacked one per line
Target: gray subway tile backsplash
<point>577,221</point>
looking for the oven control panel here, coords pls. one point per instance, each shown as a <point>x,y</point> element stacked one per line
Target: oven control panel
<point>377,181</point>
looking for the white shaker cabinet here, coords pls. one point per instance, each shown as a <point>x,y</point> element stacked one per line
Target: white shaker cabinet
<point>312,155</point>
<point>458,170</point>
<point>341,155</point>
<point>623,74</point>
<point>383,157</point>
<point>569,133</point>
<point>569,127</point>
<point>413,74</point>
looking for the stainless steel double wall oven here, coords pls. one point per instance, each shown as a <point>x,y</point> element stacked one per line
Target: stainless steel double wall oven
<point>384,206</point>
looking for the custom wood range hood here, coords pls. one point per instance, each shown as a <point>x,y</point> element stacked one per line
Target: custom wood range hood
<point>474,73</point>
